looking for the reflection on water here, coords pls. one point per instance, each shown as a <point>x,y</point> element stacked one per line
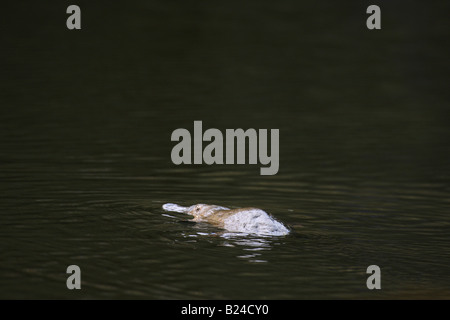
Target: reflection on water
<point>85,167</point>
<point>252,246</point>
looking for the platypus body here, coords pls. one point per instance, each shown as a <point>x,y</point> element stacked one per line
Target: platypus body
<point>246,220</point>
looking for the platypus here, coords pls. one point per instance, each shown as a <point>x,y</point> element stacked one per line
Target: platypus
<point>246,220</point>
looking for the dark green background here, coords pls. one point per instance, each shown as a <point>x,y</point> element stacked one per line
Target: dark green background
<point>86,117</point>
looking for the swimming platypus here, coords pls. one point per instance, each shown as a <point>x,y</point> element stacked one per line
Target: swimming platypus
<point>246,220</point>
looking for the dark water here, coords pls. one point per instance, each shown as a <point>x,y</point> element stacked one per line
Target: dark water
<point>86,118</point>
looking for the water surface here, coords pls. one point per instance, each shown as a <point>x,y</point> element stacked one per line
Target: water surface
<point>86,119</point>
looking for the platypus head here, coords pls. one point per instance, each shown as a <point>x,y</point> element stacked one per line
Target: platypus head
<point>201,210</point>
